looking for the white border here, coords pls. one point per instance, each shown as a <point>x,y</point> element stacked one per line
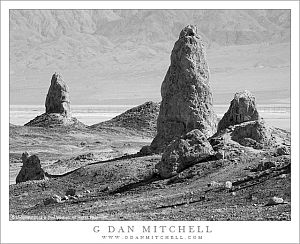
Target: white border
<point>81,232</point>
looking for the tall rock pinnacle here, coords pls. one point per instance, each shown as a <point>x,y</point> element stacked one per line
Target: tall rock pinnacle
<point>58,99</point>
<point>58,111</point>
<point>187,102</point>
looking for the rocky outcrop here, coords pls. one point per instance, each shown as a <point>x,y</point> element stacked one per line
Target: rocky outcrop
<point>58,98</point>
<point>142,118</point>
<point>54,120</point>
<point>186,93</point>
<point>241,126</point>
<point>275,201</point>
<point>145,150</point>
<point>242,109</point>
<point>52,200</point>
<point>282,150</point>
<point>253,134</point>
<point>184,152</point>
<point>58,111</point>
<point>31,169</point>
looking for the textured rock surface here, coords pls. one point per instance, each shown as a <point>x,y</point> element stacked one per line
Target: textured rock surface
<point>58,98</point>
<point>52,200</point>
<point>184,152</point>
<point>31,169</point>
<point>264,165</point>
<point>58,111</point>
<point>142,118</point>
<point>54,120</point>
<point>282,150</point>
<point>228,184</point>
<point>275,201</point>
<point>146,150</point>
<point>186,94</point>
<point>253,134</point>
<point>241,129</point>
<point>242,109</point>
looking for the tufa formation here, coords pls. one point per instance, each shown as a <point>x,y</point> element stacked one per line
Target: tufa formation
<point>187,101</point>
<point>58,111</point>
<point>58,98</point>
<point>31,169</point>
<point>242,128</point>
<point>242,109</point>
<point>184,152</point>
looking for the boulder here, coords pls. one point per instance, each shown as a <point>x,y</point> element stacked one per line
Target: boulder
<point>187,102</point>
<point>145,150</point>
<point>242,109</point>
<point>65,198</point>
<point>86,156</point>
<point>283,176</point>
<point>52,200</point>
<point>282,150</point>
<point>71,192</point>
<point>265,165</point>
<point>58,98</point>
<point>275,201</point>
<point>31,169</point>
<point>220,155</point>
<point>228,184</point>
<point>214,184</point>
<point>184,152</point>
<point>254,134</point>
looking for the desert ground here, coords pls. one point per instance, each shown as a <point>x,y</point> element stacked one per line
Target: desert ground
<point>105,59</point>
<point>114,182</point>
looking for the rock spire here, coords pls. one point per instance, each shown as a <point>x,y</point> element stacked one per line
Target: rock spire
<point>58,98</point>
<point>242,109</point>
<point>58,110</point>
<point>187,101</point>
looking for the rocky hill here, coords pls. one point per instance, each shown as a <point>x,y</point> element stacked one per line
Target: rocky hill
<point>140,119</point>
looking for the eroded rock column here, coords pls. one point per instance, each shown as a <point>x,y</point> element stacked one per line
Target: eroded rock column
<point>187,101</point>
<point>58,98</point>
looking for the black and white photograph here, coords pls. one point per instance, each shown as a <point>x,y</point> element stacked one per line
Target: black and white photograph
<point>158,115</point>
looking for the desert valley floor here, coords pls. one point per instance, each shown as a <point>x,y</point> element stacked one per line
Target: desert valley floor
<point>114,183</point>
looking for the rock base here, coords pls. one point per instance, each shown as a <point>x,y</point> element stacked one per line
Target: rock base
<point>251,135</point>
<point>54,120</point>
<point>183,153</point>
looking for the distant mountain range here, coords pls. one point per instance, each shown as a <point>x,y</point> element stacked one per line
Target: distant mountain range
<point>134,44</point>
